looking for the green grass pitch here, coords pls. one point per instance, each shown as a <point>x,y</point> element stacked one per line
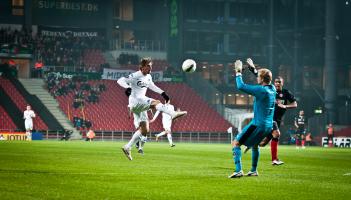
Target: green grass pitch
<point>99,170</point>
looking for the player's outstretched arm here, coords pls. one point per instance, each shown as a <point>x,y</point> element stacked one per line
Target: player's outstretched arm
<point>155,116</point>
<point>250,89</point>
<point>123,82</point>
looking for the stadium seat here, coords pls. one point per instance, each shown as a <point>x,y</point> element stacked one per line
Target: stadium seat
<point>111,114</point>
<point>20,101</point>
<point>6,122</point>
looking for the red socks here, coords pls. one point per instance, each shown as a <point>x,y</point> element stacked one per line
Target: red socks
<point>274,148</point>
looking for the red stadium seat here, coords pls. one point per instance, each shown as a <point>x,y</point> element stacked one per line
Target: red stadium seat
<point>110,113</point>
<point>20,102</point>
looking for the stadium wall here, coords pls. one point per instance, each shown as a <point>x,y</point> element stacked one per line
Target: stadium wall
<point>37,105</point>
<point>11,109</point>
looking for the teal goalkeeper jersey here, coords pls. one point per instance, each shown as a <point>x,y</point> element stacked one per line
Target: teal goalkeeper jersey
<point>264,101</point>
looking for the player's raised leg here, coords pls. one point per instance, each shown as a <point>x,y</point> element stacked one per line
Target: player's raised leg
<point>162,108</point>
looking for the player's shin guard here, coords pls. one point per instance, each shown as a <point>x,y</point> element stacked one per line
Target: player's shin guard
<point>255,157</point>
<point>303,142</point>
<point>274,148</point>
<point>237,158</point>
<point>169,137</point>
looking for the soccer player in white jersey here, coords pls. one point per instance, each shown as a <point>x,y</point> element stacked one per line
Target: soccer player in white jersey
<point>28,116</point>
<point>136,85</point>
<point>166,123</point>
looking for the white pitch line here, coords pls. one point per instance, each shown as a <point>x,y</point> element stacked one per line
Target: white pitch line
<point>347,174</point>
<point>83,173</point>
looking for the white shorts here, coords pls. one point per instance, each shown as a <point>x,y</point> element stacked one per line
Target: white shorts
<point>140,104</point>
<point>28,124</point>
<point>141,117</point>
<point>167,125</point>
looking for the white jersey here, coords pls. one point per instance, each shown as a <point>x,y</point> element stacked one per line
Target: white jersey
<point>28,121</point>
<point>28,115</point>
<point>166,118</point>
<point>139,83</point>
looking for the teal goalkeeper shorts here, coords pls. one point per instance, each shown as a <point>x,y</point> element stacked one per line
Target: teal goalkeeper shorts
<point>252,135</point>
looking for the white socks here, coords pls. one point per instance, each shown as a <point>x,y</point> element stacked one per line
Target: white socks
<point>161,107</point>
<point>134,139</point>
<point>169,137</point>
<point>29,135</point>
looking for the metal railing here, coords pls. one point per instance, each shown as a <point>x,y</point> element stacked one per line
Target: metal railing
<point>138,45</point>
<point>195,137</point>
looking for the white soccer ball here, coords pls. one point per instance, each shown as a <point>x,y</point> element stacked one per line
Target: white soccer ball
<point>189,66</point>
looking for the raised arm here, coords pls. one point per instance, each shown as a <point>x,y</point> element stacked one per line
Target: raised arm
<point>250,89</point>
<point>156,89</point>
<point>124,82</point>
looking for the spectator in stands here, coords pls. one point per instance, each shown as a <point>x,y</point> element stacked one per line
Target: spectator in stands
<point>75,119</point>
<point>93,98</point>
<point>102,87</point>
<point>71,85</point>
<point>88,124</point>
<point>38,66</point>
<point>78,102</point>
<point>79,123</point>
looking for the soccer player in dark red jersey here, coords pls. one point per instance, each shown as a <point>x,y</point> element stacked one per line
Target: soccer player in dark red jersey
<point>300,124</point>
<point>284,100</point>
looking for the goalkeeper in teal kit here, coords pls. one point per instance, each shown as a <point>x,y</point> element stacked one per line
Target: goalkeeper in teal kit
<point>262,123</point>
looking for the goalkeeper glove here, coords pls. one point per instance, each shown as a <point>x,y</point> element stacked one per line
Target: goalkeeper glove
<point>128,91</point>
<point>238,66</point>
<point>165,96</point>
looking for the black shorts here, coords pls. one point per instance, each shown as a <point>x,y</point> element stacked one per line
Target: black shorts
<point>276,126</point>
<point>300,133</point>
